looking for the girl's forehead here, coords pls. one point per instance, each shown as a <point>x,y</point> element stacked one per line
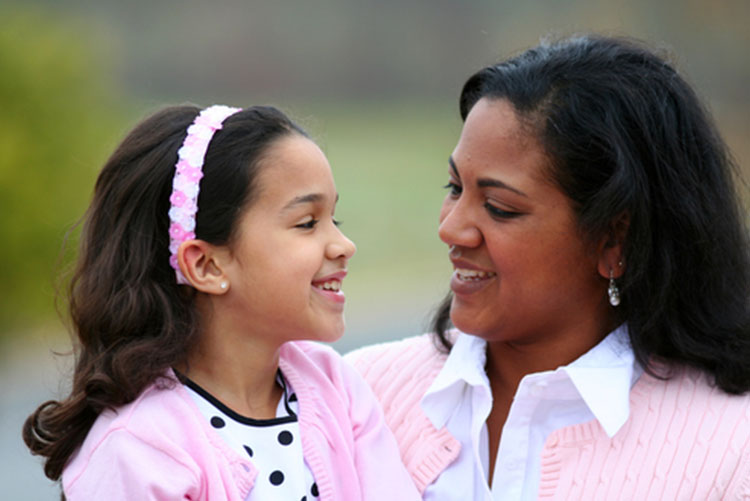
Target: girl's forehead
<point>295,171</point>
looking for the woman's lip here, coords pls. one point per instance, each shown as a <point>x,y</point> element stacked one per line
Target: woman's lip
<point>466,265</point>
<point>462,286</point>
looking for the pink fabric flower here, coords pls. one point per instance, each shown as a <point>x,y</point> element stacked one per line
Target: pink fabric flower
<point>186,182</point>
<point>178,198</point>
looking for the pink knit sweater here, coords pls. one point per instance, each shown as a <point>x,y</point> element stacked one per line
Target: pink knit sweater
<point>684,439</point>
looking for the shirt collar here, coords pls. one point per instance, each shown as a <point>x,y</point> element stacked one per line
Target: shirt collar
<point>463,369</point>
<point>603,377</point>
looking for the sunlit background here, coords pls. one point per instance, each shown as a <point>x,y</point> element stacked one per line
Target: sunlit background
<point>375,82</point>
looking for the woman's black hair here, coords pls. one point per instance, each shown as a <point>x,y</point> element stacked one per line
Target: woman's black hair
<point>131,319</point>
<point>626,135</point>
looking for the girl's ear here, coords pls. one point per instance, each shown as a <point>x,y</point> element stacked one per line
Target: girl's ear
<point>611,256</point>
<point>202,265</point>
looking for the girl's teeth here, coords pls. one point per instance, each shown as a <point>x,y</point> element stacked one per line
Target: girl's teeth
<point>465,274</point>
<point>330,286</point>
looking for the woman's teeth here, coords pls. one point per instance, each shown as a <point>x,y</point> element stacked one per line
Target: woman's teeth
<point>465,274</point>
<point>333,285</point>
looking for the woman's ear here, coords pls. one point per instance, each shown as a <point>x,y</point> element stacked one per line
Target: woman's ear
<point>203,266</point>
<point>611,252</point>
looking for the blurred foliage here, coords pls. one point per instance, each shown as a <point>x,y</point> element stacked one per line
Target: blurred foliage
<point>55,128</point>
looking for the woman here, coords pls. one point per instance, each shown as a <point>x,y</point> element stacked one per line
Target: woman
<point>601,347</point>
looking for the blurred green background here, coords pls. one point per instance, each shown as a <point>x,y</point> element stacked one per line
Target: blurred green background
<point>375,82</point>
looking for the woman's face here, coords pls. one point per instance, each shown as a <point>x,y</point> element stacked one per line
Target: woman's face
<point>523,272</point>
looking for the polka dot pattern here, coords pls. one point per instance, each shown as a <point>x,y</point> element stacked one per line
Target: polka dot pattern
<point>276,478</point>
<point>285,437</point>
<point>273,446</point>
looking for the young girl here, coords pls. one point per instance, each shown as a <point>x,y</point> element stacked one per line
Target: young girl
<point>210,251</point>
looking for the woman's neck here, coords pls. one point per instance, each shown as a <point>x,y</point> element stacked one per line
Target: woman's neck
<point>509,361</point>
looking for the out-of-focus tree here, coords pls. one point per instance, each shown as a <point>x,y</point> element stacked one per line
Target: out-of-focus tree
<point>57,121</point>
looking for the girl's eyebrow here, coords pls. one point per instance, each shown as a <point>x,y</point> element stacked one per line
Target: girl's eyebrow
<point>305,199</point>
<point>487,182</point>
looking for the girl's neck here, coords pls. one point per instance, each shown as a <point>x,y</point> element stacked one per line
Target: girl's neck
<point>238,369</point>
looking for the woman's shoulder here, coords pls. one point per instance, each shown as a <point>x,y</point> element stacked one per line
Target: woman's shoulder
<point>684,383</point>
<point>685,402</point>
<point>407,351</point>
<point>409,364</point>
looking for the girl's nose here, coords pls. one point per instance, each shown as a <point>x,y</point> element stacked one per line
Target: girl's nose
<point>340,246</point>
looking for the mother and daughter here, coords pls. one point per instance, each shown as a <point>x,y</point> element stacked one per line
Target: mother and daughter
<point>595,344</point>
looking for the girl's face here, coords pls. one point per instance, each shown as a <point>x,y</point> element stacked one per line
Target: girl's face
<point>522,270</point>
<point>289,257</point>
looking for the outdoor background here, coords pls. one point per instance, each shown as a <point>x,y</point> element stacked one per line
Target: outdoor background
<point>375,82</point>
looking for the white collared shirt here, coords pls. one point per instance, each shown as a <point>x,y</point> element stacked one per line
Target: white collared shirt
<point>595,386</point>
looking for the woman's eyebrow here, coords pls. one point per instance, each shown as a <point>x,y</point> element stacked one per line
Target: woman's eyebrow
<point>487,182</point>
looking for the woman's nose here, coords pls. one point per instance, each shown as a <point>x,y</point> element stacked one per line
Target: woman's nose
<point>457,225</point>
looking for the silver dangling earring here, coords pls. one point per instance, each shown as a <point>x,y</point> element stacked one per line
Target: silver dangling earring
<point>613,292</point>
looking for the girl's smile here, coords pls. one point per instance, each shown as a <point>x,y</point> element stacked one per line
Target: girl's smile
<point>330,287</point>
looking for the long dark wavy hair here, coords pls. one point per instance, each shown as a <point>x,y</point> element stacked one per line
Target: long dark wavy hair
<point>131,320</point>
<point>626,134</point>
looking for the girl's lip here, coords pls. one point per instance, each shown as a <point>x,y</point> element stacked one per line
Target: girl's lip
<point>335,296</point>
<point>339,275</point>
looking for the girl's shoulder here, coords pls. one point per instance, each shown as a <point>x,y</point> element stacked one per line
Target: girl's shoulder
<point>159,408</point>
<point>156,424</point>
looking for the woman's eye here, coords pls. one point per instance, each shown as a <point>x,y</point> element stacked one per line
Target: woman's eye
<point>336,222</point>
<point>307,225</point>
<point>500,213</point>
<point>455,190</point>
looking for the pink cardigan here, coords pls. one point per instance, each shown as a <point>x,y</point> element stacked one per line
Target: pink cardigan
<point>160,447</point>
<point>684,439</point>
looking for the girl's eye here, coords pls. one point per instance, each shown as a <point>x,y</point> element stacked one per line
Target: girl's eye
<point>336,222</point>
<point>455,190</point>
<point>500,213</point>
<point>307,225</point>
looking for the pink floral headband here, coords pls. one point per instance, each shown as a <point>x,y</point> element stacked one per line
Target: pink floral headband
<point>187,176</point>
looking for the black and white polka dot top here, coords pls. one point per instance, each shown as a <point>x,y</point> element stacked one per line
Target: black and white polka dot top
<point>273,445</point>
